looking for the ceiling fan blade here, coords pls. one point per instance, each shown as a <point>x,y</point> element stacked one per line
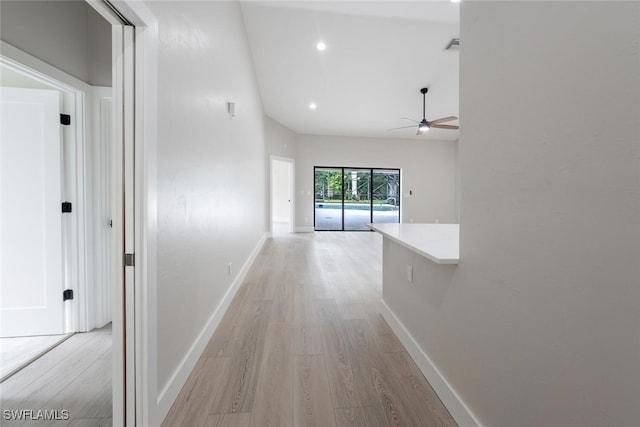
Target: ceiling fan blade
<point>411,120</point>
<point>442,120</point>
<point>403,127</point>
<point>453,127</point>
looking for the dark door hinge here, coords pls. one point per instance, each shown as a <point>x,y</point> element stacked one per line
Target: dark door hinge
<point>65,119</point>
<point>129,260</point>
<point>66,207</point>
<point>67,294</point>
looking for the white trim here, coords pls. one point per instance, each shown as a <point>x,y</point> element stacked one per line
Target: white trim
<point>146,230</point>
<point>117,236</point>
<point>40,70</point>
<point>305,230</point>
<point>456,406</point>
<point>169,393</point>
<point>146,217</point>
<point>101,209</point>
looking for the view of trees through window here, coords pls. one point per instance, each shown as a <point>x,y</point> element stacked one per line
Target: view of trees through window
<point>350,198</point>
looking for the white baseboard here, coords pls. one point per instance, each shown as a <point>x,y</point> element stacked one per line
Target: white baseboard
<point>305,230</point>
<point>457,408</point>
<point>168,394</point>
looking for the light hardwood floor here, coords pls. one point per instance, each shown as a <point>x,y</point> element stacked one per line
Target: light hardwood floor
<point>15,353</point>
<point>75,376</point>
<point>303,344</point>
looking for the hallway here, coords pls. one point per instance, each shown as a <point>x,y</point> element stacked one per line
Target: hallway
<point>303,344</point>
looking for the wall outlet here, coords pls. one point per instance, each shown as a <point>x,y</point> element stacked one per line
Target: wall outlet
<point>229,269</point>
<point>409,273</point>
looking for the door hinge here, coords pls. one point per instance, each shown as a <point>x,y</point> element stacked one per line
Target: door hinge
<point>66,207</point>
<point>129,260</point>
<point>67,294</point>
<point>65,119</point>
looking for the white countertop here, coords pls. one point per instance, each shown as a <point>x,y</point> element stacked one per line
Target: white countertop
<point>438,242</point>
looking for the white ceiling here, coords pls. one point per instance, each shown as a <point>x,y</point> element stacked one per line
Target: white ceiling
<point>379,54</point>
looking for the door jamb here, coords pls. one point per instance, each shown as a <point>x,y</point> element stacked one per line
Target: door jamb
<point>145,131</point>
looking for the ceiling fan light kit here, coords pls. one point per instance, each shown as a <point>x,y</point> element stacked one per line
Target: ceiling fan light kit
<point>424,125</point>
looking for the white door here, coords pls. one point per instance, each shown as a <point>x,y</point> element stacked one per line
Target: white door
<point>30,213</point>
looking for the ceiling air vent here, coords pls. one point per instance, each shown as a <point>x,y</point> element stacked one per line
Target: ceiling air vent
<point>453,44</point>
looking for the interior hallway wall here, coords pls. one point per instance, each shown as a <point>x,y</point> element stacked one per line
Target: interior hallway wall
<point>211,170</point>
<point>70,35</point>
<point>539,326</point>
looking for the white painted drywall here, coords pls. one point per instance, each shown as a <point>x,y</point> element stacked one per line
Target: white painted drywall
<point>428,170</point>
<point>69,35</point>
<point>539,324</point>
<point>280,140</point>
<point>211,168</point>
<point>99,49</point>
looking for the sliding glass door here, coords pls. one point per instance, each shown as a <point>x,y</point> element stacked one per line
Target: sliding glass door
<point>357,199</point>
<point>347,199</point>
<point>328,199</point>
<point>386,195</point>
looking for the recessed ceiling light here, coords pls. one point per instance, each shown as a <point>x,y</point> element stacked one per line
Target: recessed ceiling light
<point>313,106</point>
<point>321,46</point>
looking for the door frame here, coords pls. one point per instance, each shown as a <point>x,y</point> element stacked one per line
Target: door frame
<point>139,358</point>
<point>292,192</point>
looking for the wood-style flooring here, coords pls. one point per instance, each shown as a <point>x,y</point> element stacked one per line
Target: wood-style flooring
<point>303,344</point>
<point>75,377</point>
<point>15,353</point>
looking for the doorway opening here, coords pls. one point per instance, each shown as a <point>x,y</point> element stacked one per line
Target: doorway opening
<point>54,246</point>
<point>347,199</point>
<point>282,177</point>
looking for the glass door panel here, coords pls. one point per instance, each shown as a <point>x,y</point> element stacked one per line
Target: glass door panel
<point>346,199</point>
<point>386,195</point>
<point>357,199</point>
<point>328,199</point>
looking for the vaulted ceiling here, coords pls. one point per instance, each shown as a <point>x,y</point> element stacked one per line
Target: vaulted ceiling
<point>378,55</point>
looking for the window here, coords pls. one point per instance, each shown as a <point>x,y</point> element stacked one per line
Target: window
<point>346,199</point>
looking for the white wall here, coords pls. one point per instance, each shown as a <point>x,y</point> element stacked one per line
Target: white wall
<point>211,170</point>
<point>539,323</point>
<point>429,170</point>
<point>69,35</point>
<point>280,140</point>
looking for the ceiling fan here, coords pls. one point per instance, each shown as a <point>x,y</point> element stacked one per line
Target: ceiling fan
<point>424,125</point>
